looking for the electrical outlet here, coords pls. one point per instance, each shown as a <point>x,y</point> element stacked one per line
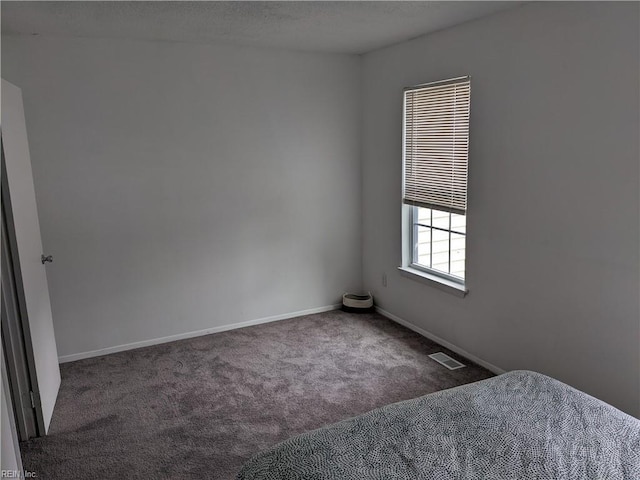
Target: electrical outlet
<point>384,279</point>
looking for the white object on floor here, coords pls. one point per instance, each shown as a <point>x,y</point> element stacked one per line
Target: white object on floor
<point>353,300</point>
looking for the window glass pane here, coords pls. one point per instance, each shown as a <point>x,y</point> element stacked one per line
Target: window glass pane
<point>441,219</point>
<point>457,268</point>
<point>457,255</point>
<point>423,247</point>
<point>423,215</point>
<point>440,250</point>
<point>458,223</point>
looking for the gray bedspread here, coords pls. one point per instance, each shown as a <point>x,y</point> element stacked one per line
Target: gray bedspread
<point>519,425</point>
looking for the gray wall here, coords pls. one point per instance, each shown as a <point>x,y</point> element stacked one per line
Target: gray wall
<point>553,221</point>
<point>183,187</point>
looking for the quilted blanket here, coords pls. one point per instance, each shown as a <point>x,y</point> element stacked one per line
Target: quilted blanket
<point>519,425</point>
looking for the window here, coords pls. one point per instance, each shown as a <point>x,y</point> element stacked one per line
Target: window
<point>436,147</point>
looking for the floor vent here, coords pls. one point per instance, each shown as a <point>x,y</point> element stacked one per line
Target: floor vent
<point>446,360</point>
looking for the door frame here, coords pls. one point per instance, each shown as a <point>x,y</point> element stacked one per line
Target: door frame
<point>18,348</point>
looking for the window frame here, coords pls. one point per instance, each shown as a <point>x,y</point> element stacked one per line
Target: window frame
<point>409,268</point>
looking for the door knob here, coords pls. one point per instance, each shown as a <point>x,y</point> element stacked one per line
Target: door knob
<point>48,258</point>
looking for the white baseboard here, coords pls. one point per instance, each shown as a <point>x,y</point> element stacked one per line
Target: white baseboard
<point>198,333</point>
<point>441,341</point>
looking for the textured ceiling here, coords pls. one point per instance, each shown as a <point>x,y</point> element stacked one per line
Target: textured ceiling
<point>341,27</point>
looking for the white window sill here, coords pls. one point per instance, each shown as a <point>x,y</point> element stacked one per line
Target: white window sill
<point>434,280</point>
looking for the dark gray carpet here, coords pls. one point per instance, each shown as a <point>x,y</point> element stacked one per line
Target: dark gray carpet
<point>199,408</point>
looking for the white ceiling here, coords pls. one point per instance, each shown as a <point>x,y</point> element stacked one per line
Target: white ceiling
<point>339,27</point>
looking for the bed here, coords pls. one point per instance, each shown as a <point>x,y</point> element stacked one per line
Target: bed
<point>519,425</point>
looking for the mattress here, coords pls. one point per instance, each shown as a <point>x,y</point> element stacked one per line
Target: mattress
<point>519,425</point>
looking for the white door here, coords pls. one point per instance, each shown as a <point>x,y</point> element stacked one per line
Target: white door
<point>30,268</point>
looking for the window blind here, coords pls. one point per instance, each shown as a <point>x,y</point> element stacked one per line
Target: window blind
<point>436,142</point>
